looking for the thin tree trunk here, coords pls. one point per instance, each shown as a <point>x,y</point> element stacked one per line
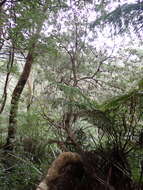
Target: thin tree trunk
<point>9,67</point>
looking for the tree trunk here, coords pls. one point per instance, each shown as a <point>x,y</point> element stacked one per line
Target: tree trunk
<point>9,67</point>
<point>15,99</point>
<point>9,146</point>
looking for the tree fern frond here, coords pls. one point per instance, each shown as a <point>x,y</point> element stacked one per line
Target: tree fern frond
<point>115,102</point>
<point>123,16</point>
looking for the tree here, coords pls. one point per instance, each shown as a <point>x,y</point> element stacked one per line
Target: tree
<point>33,40</point>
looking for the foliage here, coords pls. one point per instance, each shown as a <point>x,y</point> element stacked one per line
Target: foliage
<point>23,176</point>
<point>128,14</point>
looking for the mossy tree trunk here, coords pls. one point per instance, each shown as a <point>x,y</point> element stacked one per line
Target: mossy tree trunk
<point>16,97</point>
<point>9,146</point>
